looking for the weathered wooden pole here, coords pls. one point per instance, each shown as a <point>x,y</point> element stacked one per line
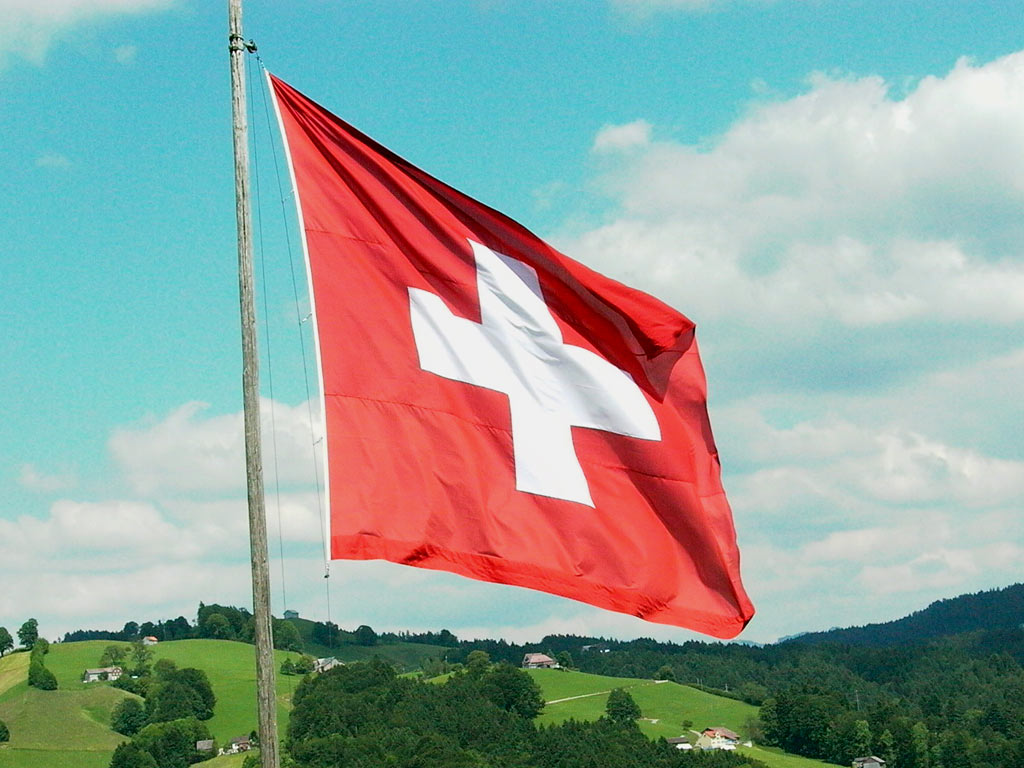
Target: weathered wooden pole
<point>265,687</point>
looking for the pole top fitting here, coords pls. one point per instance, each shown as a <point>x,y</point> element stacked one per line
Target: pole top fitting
<point>239,43</point>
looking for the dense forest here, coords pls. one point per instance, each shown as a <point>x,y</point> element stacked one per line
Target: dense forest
<point>994,609</point>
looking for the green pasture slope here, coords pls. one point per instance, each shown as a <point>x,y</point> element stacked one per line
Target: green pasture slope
<point>70,726</point>
<point>664,706</point>
<point>405,657</point>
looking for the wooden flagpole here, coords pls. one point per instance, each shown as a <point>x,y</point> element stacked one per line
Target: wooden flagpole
<point>265,684</point>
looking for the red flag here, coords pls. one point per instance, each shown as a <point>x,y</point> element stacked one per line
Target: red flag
<point>497,410</point>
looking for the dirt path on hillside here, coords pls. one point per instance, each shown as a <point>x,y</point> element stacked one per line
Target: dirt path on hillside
<point>604,693</point>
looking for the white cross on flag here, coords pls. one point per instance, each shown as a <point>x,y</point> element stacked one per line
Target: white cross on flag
<point>497,410</point>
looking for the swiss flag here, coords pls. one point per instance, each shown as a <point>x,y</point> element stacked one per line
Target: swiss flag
<point>497,410</point>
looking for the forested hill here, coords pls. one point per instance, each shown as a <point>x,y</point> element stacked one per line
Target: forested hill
<point>994,609</point>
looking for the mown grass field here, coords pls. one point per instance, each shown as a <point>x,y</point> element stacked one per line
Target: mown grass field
<point>664,707</point>
<point>13,670</point>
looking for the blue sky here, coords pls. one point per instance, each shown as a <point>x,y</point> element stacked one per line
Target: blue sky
<point>831,190</point>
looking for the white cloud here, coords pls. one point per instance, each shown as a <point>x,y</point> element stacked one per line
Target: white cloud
<point>31,26</point>
<point>189,451</point>
<point>616,138</point>
<point>841,204</point>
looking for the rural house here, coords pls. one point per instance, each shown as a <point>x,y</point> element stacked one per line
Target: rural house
<point>868,762</point>
<point>238,744</point>
<point>718,738</point>
<point>149,640</point>
<point>291,614</point>
<point>539,661</point>
<point>322,665</point>
<point>102,673</point>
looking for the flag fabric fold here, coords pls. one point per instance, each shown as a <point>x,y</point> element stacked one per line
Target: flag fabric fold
<point>495,409</point>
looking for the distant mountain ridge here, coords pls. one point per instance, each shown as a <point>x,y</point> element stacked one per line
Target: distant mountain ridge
<point>988,610</point>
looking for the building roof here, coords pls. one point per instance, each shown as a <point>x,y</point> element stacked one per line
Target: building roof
<point>537,658</point>
<point>101,670</point>
<point>725,733</point>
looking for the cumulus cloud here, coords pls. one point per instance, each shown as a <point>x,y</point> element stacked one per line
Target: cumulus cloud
<point>616,138</point>
<point>842,204</point>
<point>31,26</point>
<point>190,451</point>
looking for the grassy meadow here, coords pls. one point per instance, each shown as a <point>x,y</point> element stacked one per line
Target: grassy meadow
<point>71,726</point>
<point>664,707</point>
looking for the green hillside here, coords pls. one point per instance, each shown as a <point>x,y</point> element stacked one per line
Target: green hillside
<point>405,657</point>
<point>70,726</point>
<point>664,706</point>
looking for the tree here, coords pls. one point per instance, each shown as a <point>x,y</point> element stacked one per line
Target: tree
<point>216,626</point>
<point>172,744</point>
<point>197,680</point>
<point>860,744</point>
<point>114,655</point>
<point>665,672</point>
<point>564,659</point>
<point>6,641</point>
<point>178,629</point>
<point>130,755</point>
<point>365,635</point>
<point>513,690</point>
<point>40,677</point>
<point>128,716</point>
<point>753,693</point>
<point>477,663</point>
<point>886,747</point>
<point>181,693</point>
<point>287,667</point>
<point>919,745</point>
<point>286,636</point>
<point>28,634</point>
<point>327,633</point>
<point>621,708</point>
<point>131,630</point>
<point>141,656</point>
<point>164,669</point>
<point>5,734</point>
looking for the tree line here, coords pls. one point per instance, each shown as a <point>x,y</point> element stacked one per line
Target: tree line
<point>217,622</point>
